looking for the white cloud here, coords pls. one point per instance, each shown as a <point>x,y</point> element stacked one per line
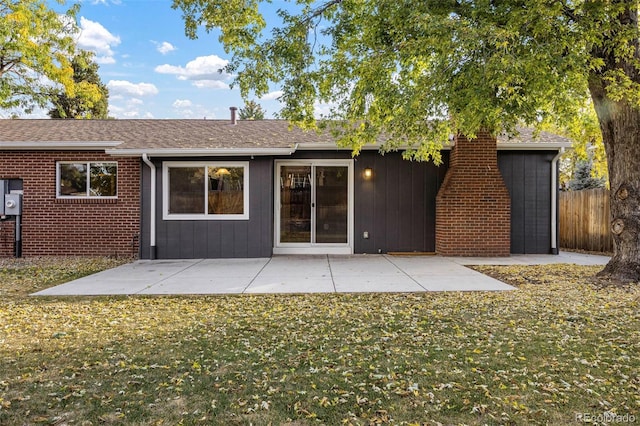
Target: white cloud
<point>169,69</point>
<point>104,60</point>
<point>322,109</point>
<point>116,110</point>
<point>129,108</point>
<point>205,71</point>
<point>272,95</point>
<point>182,103</point>
<point>96,38</point>
<point>105,2</point>
<point>186,108</point>
<point>123,87</point>
<point>130,114</point>
<point>165,47</point>
<point>210,84</point>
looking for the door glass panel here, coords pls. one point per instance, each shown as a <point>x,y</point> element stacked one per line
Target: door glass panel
<point>295,204</point>
<point>331,204</point>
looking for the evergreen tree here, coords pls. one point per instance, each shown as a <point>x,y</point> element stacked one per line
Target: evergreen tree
<point>251,111</point>
<point>583,177</point>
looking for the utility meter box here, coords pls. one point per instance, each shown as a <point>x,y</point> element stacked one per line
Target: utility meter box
<point>12,204</point>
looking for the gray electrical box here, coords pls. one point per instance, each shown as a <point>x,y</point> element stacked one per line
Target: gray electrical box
<point>13,204</point>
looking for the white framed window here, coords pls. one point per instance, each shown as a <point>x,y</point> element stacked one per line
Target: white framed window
<point>86,179</point>
<point>205,190</point>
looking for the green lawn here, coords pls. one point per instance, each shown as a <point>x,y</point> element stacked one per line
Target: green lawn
<point>555,350</point>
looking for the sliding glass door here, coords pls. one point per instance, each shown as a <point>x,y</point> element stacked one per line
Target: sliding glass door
<point>313,206</point>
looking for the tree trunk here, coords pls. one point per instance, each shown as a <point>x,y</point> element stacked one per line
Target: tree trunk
<point>620,125</point>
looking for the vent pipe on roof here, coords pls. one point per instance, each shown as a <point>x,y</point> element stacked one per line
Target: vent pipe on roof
<point>233,115</point>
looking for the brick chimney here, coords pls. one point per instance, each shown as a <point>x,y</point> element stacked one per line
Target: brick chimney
<point>473,207</point>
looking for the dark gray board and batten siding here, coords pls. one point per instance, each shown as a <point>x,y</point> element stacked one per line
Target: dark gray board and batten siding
<point>194,239</point>
<point>396,207</point>
<point>527,175</point>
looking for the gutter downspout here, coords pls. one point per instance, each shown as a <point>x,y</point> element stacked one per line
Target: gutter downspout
<point>554,202</point>
<point>152,224</point>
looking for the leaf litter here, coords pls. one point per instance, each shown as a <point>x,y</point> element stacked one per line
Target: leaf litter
<point>551,352</point>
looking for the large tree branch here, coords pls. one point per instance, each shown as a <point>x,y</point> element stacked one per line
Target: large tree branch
<point>6,67</point>
<point>320,10</point>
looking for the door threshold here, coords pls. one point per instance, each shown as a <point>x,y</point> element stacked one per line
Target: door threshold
<point>312,250</point>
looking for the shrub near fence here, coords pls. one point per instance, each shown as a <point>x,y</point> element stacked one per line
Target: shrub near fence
<point>585,220</point>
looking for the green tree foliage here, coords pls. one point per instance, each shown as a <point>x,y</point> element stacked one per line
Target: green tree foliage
<point>36,47</point>
<point>587,147</point>
<point>415,71</point>
<point>91,98</point>
<point>420,71</point>
<point>251,111</point>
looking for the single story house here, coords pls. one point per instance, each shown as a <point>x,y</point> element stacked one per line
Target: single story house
<point>224,188</point>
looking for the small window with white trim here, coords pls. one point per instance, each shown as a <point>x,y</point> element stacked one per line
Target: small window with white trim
<point>212,191</point>
<point>87,179</point>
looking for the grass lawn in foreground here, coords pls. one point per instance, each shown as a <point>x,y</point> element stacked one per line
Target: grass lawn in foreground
<point>557,351</point>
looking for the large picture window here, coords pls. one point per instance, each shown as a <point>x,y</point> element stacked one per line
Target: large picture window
<point>87,179</point>
<point>206,190</point>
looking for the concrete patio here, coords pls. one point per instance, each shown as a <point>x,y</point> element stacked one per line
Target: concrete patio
<point>304,274</point>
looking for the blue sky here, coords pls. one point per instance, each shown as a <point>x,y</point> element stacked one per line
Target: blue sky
<point>151,68</point>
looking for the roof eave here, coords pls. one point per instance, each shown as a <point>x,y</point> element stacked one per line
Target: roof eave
<point>511,146</point>
<point>201,152</point>
<point>58,145</point>
<point>533,146</point>
<point>322,146</point>
<point>110,147</point>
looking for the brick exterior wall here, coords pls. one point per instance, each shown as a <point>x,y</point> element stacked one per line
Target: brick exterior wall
<point>473,207</point>
<point>89,227</point>
<point>7,238</point>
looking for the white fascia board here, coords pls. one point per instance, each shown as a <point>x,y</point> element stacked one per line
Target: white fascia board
<point>58,145</point>
<point>533,146</point>
<point>201,152</point>
<point>229,152</point>
<point>328,146</point>
<point>512,146</point>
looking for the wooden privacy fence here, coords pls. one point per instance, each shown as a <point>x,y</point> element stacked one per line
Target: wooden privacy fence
<point>585,220</point>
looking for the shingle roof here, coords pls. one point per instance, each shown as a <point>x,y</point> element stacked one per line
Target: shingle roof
<point>200,135</point>
<point>527,136</point>
<point>139,134</point>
